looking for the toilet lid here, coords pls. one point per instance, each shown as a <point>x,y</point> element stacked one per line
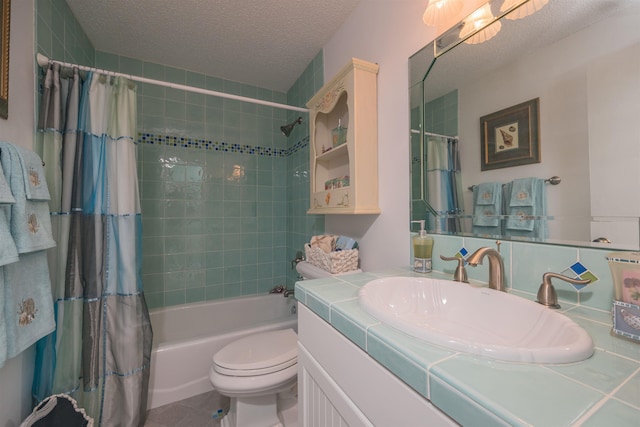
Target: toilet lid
<point>258,354</point>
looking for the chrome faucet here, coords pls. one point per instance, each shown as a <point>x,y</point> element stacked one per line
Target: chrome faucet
<point>496,266</point>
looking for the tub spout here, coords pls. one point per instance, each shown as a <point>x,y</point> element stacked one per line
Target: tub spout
<point>496,266</point>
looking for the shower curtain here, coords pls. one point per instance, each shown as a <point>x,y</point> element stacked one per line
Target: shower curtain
<point>444,187</point>
<point>100,351</point>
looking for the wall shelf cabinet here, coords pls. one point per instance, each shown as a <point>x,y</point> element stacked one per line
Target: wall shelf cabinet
<point>343,121</point>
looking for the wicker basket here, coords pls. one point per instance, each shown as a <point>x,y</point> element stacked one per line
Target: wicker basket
<point>333,262</point>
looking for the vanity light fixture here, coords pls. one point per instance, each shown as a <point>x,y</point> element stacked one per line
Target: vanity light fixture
<point>483,23</point>
<point>529,8</point>
<point>439,11</point>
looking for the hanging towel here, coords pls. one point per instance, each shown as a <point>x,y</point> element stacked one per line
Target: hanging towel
<point>33,174</point>
<point>28,303</point>
<point>527,203</point>
<point>8,250</point>
<point>5,191</point>
<point>487,204</point>
<point>3,326</point>
<point>30,223</point>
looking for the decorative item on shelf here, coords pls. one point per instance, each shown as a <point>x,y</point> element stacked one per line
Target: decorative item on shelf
<point>625,271</point>
<point>339,134</point>
<point>335,254</point>
<point>332,184</point>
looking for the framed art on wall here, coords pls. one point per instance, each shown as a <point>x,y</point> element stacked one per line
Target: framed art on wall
<point>510,137</point>
<point>5,10</point>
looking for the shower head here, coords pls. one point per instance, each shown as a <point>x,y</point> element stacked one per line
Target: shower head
<point>287,129</point>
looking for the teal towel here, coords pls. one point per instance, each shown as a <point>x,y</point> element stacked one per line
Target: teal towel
<point>8,250</point>
<point>3,327</point>
<point>33,174</point>
<point>487,204</point>
<point>5,192</point>
<point>30,222</point>
<point>28,303</point>
<point>524,192</point>
<point>527,203</point>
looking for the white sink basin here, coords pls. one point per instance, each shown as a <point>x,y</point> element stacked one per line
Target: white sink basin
<point>476,320</point>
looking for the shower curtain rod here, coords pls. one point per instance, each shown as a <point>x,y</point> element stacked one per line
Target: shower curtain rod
<point>43,61</point>
<point>416,131</point>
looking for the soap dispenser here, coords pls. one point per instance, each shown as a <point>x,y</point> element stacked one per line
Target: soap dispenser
<point>422,250</point>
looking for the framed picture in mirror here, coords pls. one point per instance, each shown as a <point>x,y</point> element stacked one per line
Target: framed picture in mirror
<point>510,137</point>
<point>5,10</point>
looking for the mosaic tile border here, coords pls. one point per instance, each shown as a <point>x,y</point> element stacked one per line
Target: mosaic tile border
<point>204,144</point>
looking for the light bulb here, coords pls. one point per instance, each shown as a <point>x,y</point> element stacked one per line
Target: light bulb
<point>480,20</point>
<point>439,11</point>
<point>526,9</point>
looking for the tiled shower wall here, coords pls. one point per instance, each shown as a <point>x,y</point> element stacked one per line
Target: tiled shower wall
<point>58,34</point>
<point>214,178</point>
<point>224,193</point>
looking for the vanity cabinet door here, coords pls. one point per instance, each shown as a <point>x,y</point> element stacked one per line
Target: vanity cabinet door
<point>341,385</point>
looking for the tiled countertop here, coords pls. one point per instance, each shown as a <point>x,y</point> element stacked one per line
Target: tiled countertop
<point>601,391</point>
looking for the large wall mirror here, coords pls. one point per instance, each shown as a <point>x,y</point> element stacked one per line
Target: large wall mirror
<point>575,66</point>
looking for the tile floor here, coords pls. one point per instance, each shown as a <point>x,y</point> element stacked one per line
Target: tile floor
<point>195,411</point>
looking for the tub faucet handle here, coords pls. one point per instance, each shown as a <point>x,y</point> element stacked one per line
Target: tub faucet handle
<point>299,258</point>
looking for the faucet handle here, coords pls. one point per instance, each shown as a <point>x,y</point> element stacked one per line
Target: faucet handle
<point>547,294</point>
<point>460,275</point>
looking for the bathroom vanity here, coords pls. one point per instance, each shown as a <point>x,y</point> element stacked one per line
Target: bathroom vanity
<point>356,371</point>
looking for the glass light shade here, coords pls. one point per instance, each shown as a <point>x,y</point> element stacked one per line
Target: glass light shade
<point>481,19</point>
<point>439,11</point>
<point>528,8</point>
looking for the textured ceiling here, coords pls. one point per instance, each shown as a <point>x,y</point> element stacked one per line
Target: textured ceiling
<point>266,43</point>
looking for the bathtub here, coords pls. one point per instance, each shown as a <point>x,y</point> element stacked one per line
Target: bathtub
<point>185,338</point>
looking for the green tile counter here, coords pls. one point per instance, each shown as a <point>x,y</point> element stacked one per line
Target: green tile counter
<point>603,390</point>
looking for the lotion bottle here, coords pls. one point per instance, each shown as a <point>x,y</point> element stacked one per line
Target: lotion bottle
<point>422,250</point>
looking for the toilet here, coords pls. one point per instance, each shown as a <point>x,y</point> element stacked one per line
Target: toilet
<point>259,374</point>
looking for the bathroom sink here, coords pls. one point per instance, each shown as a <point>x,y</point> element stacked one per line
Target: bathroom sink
<point>476,320</point>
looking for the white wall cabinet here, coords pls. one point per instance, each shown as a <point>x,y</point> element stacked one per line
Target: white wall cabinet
<point>340,385</point>
<point>343,122</point>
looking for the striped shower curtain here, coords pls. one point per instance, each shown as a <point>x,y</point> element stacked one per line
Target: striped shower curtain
<point>100,350</point>
<point>444,186</point>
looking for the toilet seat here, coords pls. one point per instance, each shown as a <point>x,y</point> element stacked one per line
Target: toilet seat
<point>258,354</point>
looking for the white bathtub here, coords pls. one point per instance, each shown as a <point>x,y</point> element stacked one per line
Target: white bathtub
<point>185,338</point>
